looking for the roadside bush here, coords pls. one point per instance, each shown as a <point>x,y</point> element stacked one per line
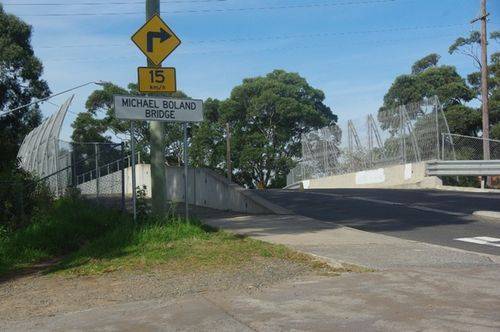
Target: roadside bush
<point>66,226</point>
<point>21,196</point>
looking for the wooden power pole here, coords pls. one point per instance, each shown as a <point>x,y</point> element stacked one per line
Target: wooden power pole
<point>484,80</point>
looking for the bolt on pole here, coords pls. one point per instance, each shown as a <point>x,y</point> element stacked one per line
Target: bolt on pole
<point>157,131</point>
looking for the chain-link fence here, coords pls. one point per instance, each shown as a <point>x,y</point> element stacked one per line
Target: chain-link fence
<point>409,133</point>
<point>461,147</point>
<point>98,168</point>
<point>95,170</point>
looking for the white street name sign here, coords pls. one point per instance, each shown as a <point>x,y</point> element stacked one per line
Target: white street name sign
<point>158,109</point>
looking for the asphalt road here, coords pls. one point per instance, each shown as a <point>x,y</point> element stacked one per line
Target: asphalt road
<point>437,217</point>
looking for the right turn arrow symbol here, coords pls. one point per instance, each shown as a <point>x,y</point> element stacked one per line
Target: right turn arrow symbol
<point>162,35</point>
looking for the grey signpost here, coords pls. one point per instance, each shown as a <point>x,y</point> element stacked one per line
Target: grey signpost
<point>186,187</point>
<point>134,184</point>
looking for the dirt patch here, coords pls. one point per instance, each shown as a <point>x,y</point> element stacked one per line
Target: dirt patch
<point>49,294</point>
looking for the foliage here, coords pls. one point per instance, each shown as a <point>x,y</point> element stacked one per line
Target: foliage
<point>468,46</point>
<point>495,131</point>
<point>95,241</point>
<point>66,226</point>
<point>176,245</point>
<point>20,83</point>
<point>426,62</point>
<point>208,141</point>
<point>463,120</point>
<point>494,94</point>
<point>266,115</point>
<point>428,80</point>
<point>99,122</point>
<point>21,196</point>
<point>461,181</point>
<point>141,204</point>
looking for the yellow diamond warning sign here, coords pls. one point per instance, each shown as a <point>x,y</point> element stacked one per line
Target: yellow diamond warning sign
<point>156,40</point>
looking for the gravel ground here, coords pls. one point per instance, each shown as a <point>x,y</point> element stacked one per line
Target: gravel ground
<point>41,294</point>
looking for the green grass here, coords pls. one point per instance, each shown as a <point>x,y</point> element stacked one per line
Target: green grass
<point>174,244</point>
<point>94,240</point>
<point>63,228</point>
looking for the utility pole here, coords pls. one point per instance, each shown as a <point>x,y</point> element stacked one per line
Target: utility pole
<point>157,131</point>
<point>484,80</point>
<point>228,153</point>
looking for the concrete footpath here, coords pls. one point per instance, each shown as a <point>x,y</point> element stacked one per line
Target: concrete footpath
<point>415,287</point>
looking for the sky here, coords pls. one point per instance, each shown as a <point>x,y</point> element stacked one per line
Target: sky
<point>350,49</point>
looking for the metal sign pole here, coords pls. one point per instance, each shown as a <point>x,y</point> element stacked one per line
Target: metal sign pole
<point>157,130</point>
<point>186,197</point>
<point>132,146</point>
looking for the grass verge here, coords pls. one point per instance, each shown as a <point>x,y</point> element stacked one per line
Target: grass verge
<point>96,240</point>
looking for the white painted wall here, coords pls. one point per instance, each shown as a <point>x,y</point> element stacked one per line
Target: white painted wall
<point>206,188</point>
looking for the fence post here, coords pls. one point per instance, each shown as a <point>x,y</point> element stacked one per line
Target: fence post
<point>96,149</point>
<point>442,146</point>
<point>73,169</point>
<point>437,131</point>
<point>123,175</point>
<point>402,133</point>
<point>370,141</point>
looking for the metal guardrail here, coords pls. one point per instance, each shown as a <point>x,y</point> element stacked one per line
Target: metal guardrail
<point>463,167</point>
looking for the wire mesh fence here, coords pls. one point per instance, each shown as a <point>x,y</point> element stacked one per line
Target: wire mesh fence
<point>98,168</point>
<point>460,147</point>
<point>94,170</point>
<point>406,134</point>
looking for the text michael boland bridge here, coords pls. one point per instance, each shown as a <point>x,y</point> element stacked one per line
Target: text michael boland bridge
<point>158,109</point>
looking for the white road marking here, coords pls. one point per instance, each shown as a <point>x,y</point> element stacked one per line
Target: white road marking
<point>425,208</point>
<point>486,240</point>
<point>380,201</point>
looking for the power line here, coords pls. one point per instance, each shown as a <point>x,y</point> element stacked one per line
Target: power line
<point>280,48</point>
<point>105,3</point>
<point>277,37</point>
<point>222,10</point>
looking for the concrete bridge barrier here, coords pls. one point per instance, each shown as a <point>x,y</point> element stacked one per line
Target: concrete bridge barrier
<point>397,176</point>
<point>206,188</point>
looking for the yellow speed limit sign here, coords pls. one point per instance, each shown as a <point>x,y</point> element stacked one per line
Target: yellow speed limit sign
<point>157,79</point>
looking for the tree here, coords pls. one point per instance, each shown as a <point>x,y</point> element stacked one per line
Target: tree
<point>267,116</point>
<point>494,90</point>
<point>470,47</point>
<point>208,139</point>
<point>428,80</point>
<point>20,83</point>
<point>426,62</point>
<point>99,123</point>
